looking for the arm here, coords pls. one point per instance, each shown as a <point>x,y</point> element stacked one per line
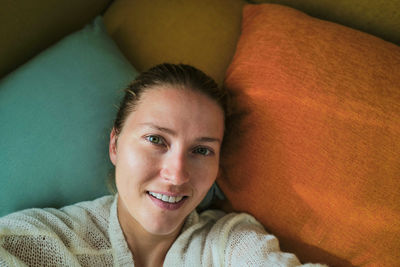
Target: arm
<point>47,237</point>
<point>243,241</point>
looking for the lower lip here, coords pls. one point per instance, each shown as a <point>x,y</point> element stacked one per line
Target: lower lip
<point>165,205</point>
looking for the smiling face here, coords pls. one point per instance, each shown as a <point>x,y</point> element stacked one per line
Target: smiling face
<point>166,157</point>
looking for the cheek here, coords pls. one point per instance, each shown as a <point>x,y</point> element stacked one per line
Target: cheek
<point>134,165</point>
<point>205,176</point>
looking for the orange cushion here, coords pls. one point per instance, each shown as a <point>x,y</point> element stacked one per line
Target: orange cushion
<point>377,17</point>
<point>319,163</point>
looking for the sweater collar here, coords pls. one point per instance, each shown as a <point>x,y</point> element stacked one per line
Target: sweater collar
<point>122,255</point>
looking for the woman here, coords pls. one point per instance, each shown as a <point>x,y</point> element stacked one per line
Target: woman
<point>165,146</point>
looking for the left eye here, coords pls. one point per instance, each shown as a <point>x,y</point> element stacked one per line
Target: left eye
<point>155,139</point>
<point>203,151</point>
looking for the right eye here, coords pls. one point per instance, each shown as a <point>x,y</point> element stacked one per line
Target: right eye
<point>155,139</point>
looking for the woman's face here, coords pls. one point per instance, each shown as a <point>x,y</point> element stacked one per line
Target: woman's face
<point>166,157</point>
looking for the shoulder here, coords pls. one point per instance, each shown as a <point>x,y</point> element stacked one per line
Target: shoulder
<point>206,236</point>
<point>224,225</point>
<point>98,209</point>
<point>220,239</point>
<point>68,226</point>
<point>243,241</point>
<point>35,236</point>
<point>51,218</point>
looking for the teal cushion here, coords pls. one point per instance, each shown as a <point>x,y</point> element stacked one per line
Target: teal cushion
<point>56,112</point>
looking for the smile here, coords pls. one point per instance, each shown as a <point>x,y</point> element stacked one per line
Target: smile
<point>165,198</point>
<point>167,202</point>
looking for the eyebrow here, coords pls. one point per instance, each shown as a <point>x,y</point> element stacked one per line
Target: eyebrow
<point>173,133</point>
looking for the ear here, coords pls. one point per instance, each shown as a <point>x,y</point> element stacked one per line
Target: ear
<point>112,148</point>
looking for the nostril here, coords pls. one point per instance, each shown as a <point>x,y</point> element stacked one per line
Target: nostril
<point>174,175</point>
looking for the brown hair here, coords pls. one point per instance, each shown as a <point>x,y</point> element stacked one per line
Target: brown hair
<point>179,76</point>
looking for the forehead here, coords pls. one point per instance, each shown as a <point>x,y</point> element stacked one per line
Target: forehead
<point>181,109</point>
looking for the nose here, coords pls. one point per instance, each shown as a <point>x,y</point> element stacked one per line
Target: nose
<point>174,168</point>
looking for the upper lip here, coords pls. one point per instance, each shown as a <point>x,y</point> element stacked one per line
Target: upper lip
<point>170,194</point>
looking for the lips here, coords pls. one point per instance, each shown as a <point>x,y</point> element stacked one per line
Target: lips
<point>167,202</point>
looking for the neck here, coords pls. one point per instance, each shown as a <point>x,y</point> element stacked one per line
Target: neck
<point>147,249</point>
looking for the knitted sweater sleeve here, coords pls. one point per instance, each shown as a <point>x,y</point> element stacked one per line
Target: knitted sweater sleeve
<point>71,236</point>
<point>216,239</point>
<point>246,243</point>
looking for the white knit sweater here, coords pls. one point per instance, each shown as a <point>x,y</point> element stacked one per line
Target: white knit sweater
<point>89,234</point>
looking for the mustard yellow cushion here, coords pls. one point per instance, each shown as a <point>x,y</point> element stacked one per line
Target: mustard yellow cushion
<point>319,163</point>
<point>202,33</point>
<point>28,27</point>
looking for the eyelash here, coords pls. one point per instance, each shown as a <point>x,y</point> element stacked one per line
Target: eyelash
<point>163,143</point>
<point>209,152</point>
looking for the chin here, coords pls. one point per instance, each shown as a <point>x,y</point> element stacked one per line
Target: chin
<point>163,227</point>
<point>165,223</point>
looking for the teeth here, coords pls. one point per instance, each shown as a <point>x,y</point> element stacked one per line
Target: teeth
<point>165,198</point>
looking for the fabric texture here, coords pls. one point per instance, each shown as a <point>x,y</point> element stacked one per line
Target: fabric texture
<point>319,163</point>
<point>29,27</point>
<point>213,195</point>
<point>56,115</point>
<point>89,234</point>
<point>379,17</point>
<point>202,33</point>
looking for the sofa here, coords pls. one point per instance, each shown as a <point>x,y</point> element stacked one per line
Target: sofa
<point>316,156</point>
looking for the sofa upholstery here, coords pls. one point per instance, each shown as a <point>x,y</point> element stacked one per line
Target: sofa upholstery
<point>205,33</point>
<point>320,144</point>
